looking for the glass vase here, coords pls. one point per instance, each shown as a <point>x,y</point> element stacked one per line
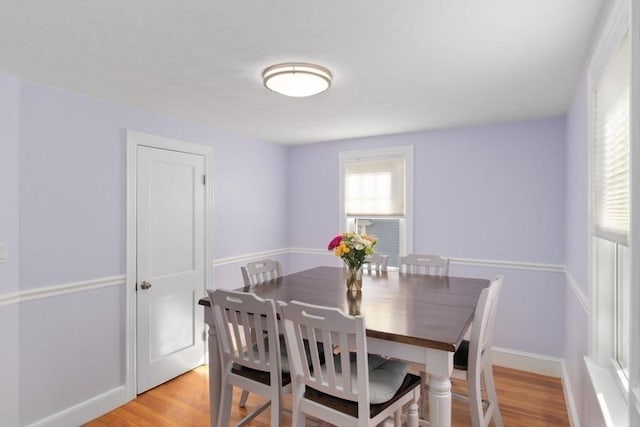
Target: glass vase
<point>354,278</point>
<point>354,300</point>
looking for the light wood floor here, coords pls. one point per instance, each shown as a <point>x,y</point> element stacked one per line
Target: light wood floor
<point>525,399</point>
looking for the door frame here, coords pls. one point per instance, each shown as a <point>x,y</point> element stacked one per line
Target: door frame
<point>136,139</point>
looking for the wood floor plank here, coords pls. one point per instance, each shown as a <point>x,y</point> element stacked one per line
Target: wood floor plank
<point>525,399</point>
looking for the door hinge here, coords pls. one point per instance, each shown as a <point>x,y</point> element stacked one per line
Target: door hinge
<point>136,287</point>
<point>204,179</point>
<point>204,335</point>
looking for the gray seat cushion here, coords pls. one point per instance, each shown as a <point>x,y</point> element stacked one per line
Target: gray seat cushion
<point>385,376</point>
<point>284,358</point>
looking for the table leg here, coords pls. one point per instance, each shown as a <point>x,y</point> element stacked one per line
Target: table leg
<point>413,418</point>
<point>215,366</point>
<point>440,365</point>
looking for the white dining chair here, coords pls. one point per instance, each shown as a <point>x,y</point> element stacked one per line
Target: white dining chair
<point>352,388</point>
<point>432,265</point>
<point>253,274</point>
<point>377,262</point>
<point>257,272</point>
<point>250,350</point>
<point>473,360</point>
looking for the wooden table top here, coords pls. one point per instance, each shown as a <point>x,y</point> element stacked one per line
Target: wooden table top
<point>422,310</point>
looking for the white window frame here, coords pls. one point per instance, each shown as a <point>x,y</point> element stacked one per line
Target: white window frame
<point>634,356</point>
<point>405,152</point>
<point>613,391</point>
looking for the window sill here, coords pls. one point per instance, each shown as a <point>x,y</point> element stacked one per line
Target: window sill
<point>613,404</point>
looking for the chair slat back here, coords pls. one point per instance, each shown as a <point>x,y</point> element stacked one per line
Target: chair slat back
<point>257,272</point>
<point>377,262</point>
<point>337,333</point>
<point>430,265</point>
<point>482,329</point>
<point>247,329</point>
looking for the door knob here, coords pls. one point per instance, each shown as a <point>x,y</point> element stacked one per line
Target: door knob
<point>145,285</point>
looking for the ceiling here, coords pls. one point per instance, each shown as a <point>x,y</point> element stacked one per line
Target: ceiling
<point>398,66</point>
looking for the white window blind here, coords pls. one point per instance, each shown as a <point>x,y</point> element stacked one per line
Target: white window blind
<point>610,181</point>
<point>375,188</point>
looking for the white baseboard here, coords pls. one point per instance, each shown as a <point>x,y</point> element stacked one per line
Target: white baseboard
<point>530,362</point>
<point>574,419</point>
<point>86,411</point>
<point>543,365</point>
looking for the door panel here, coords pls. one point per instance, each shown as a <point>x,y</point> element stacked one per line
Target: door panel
<point>170,264</point>
<point>172,329</point>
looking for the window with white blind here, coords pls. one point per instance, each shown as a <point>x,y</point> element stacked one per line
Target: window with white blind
<point>374,187</point>
<point>610,178</point>
<point>376,197</point>
<point>610,122</point>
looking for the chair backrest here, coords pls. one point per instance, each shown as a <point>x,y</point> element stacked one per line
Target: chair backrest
<point>257,272</point>
<point>482,329</point>
<point>377,262</point>
<point>247,331</point>
<point>338,334</point>
<point>431,265</point>
<point>480,370</point>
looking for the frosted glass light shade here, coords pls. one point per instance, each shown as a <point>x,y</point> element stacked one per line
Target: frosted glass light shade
<point>296,79</point>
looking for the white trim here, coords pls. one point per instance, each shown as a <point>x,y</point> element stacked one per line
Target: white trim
<point>310,251</point>
<point>515,265</point>
<point>86,411</point>
<point>134,140</point>
<point>613,33</point>
<point>248,257</point>
<point>634,365</point>
<point>67,288</point>
<point>530,362</point>
<point>613,404</point>
<point>580,295</point>
<point>574,418</point>
<point>130,268</point>
<point>10,298</point>
<point>57,290</point>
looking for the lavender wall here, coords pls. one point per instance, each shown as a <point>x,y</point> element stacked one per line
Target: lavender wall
<point>487,192</point>
<point>72,182</point>
<point>578,310</point>
<point>577,203</point>
<point>72,228</point>
<point>510,176</point>
<point>9,122</point>
<point>9,381</point>
<point>72,205</point>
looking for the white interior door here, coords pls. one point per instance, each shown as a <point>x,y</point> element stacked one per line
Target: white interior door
<point>170,264</point>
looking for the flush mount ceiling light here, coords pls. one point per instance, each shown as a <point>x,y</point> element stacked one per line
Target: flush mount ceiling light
<point>297,79</point>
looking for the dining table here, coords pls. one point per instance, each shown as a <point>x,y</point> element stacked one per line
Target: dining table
<point>412,317</point>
